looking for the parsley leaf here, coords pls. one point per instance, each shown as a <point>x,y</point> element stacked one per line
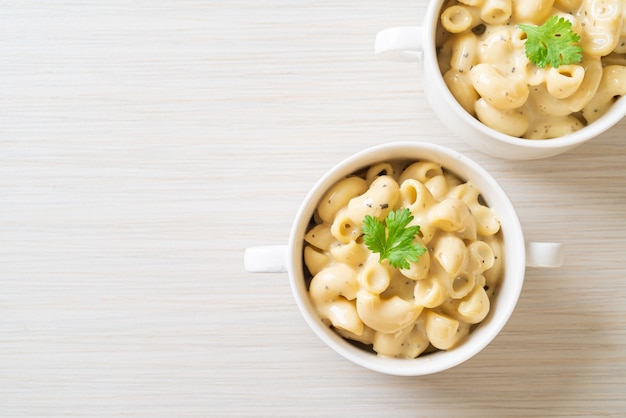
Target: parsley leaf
<point>553,43</point>
<point>395,241</point>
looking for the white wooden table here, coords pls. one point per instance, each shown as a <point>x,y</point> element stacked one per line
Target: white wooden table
<point>145,144</point>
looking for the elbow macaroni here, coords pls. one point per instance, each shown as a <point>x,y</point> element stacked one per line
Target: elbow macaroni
<point>433,304</point>
<point>483,62</point>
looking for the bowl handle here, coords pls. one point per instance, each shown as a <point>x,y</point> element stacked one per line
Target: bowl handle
<point>266,259</point>
<point>544,254</point>
<point>400,43</point>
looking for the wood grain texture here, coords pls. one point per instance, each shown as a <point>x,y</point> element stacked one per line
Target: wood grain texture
<point>145,144</point>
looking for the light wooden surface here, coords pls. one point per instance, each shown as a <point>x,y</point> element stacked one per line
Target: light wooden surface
<point>145,144</point>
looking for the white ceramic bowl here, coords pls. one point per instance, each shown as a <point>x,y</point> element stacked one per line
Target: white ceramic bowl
<point>518,254</point>
<point>418,43</point>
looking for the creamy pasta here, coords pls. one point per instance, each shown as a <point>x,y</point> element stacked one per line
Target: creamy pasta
<point>481,54</point>
<point>433,304</point>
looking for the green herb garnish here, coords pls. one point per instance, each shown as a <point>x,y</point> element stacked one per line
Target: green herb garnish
<point>393,239</point>
<point>553,43</point>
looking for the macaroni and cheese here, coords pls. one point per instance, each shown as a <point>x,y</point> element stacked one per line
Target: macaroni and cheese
<point>481,54</point>
<point>433,304</point>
